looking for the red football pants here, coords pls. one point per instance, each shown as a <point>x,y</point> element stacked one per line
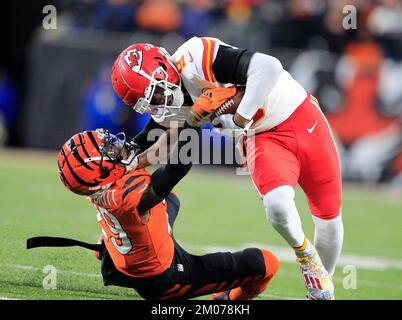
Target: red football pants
<point>299,150</point>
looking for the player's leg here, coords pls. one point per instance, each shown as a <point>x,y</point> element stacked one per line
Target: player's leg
<point>284,217</point>
<point>328,239</point>
<point>282,214</point>
<point>247,273</point>
<point>321,181</point>
<point>325,205</point>
<point>242,275</point>
<point>275,171</point>
<point>320,178</point>
<point>253,288</point>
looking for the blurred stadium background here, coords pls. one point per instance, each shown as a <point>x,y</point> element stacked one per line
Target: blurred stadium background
<point>55,82</point>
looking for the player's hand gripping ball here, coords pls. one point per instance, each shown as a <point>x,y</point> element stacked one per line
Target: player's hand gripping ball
<point>217,101</point>
<point>229,107</point>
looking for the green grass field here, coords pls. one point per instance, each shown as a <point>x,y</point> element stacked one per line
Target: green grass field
<point>218,210</point>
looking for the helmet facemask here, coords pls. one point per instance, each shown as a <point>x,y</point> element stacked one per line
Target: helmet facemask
<point>173,97</point>
<point>118,148</point>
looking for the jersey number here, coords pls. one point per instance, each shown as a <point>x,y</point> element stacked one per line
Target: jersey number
<point>181,64</point>
<point>113,231</point>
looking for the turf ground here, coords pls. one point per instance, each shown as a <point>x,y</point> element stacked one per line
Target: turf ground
<point>218,210</point>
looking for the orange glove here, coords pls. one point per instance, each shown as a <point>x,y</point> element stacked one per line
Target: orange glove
<point>211,99</point>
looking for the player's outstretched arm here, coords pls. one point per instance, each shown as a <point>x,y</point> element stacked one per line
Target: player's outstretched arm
<point>164,179</point>
<point>153,152</point>
<point>141,138</point>
<point>157,152</point>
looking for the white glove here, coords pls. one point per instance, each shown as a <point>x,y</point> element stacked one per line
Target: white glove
<point>227,126</point>
<point>226,121</point>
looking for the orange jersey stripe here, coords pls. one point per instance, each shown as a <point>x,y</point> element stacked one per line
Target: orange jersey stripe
<point>207,57</point>
<point>175,287</point>
<point>178,294</point>
<point>221,286</point>
<point>203,290</point>
<point>246,281</point>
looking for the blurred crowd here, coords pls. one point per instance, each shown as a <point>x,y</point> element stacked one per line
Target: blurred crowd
<point>356,72</point>
<point>295,24</point>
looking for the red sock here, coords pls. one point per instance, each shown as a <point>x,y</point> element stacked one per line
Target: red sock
<point>254,288</point>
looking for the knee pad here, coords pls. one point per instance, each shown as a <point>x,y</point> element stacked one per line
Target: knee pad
<point>279,204</point>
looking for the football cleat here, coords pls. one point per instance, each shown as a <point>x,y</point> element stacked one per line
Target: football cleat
<point>317,280</point>
<point>223,295</point>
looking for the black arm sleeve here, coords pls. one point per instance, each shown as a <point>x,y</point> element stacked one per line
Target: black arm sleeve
<point>165,178</point>
<point>231,65</point>
<point>141,137</point>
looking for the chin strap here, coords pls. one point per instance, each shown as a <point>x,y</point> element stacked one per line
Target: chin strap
<point>37,242</point>
<point>131,163</point>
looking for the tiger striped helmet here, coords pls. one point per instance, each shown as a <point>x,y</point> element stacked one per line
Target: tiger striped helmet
<point>84,167</point>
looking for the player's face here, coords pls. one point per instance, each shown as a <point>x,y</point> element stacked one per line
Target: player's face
<point>158,98</point>
<point>114,147</point>
<point>118,150</point>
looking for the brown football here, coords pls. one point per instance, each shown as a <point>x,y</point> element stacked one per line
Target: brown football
<point>230,106</point>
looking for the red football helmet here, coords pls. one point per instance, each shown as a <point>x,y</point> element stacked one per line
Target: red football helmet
<point>91,161</point>
<point>146,78</point>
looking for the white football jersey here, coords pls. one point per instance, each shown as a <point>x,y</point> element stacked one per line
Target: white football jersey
<point>283,100</point>
<point>194,61</point>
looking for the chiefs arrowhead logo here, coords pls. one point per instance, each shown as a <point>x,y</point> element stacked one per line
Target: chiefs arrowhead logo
<point>133,59</point>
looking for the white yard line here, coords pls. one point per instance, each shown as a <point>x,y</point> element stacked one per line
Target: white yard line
<point>372,283</point>
<point>283,254</point>
<point>287,255</point>
<point>32,268</point>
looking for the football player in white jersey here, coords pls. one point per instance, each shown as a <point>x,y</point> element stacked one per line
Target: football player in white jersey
<point>291,143</point>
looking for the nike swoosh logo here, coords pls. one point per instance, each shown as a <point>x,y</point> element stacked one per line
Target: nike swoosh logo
<point>191,57</point>
<point>312,128</point>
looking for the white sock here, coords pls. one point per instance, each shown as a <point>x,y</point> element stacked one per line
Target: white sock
<point>328,240</point>
<point>282,213</point>
<point>304,249</point>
